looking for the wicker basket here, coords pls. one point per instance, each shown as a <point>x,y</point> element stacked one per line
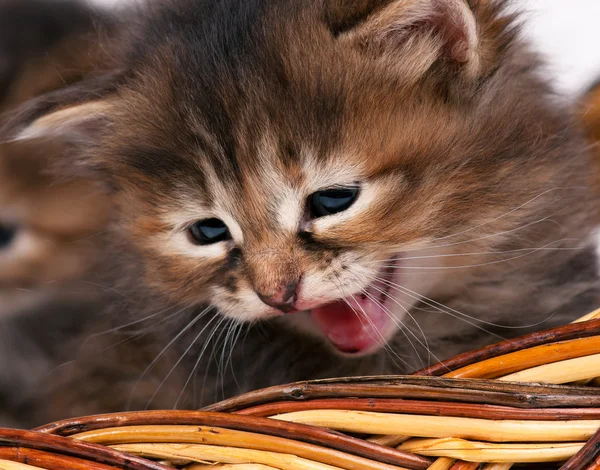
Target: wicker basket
<point>484,409</point>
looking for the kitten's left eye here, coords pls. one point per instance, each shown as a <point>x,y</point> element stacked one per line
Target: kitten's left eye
<point>209,231</point>
<point>7,235</point>
<point>332,201</point>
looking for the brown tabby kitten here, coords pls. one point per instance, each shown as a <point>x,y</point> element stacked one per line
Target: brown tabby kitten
<point>358,186</point>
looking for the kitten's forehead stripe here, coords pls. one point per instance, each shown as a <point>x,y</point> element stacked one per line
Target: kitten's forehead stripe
<point>249,78</point>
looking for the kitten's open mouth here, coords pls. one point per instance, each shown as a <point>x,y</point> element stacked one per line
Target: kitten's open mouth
<point>360,323</point>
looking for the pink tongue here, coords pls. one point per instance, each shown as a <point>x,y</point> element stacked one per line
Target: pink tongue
<point>347,326</point>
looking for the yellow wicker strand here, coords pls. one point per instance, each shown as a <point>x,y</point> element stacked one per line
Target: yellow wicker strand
<point>388,441</point>
<point>443,463</point>
<point>10,465</point>
<point>590,316</point>
<point>570,370</point>
<point>444,426</point>
<point>219,454</point>
<point>537,356</point>
<point>485,452</point>
<point>239,466</point>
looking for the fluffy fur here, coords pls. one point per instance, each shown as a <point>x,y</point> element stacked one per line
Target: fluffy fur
<point>476,184</point>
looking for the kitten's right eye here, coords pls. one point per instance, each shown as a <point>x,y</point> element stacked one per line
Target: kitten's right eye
<point>7,235</point>
<point>209,231</point>
<point>332,201</point>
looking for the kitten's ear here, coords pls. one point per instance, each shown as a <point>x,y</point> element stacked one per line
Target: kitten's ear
<point>72,124</point>
<point>64,125</point>
<point>416,33</point>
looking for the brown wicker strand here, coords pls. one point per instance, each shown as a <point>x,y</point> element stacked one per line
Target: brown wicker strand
<point>49,460</point>
<point>431,388</point>
<point>586,457</point>
<point>390,405</point>
<point>60,445</point>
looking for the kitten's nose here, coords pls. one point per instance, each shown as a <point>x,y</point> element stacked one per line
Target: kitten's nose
<point>283,299</point>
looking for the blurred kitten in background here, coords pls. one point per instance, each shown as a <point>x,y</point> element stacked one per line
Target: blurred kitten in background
<point>49,225</point>
<point>51,239</point>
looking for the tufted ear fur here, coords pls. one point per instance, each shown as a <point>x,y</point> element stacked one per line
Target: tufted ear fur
<point>414,34</point>
<point>74,123</point>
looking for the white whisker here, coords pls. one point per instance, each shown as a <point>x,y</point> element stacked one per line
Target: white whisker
<point>482,253</point>
<point>483,237</point>
<point>181,357</point>
<point>512,211</point>
<point>475,265</point>
<point>164,351</point>
<point>206,343</point>
<point>428,301</point>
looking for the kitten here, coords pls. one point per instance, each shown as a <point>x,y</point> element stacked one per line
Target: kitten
<point>358,187</point>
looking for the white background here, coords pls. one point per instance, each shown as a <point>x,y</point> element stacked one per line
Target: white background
<point>566,31</point>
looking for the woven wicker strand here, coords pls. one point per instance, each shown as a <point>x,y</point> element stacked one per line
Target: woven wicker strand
<point>589,452</point>
<point>441,426</point>
<point>18,439</point>
<point>49,460</point>
<point>443,463</point>
<point>485,452</point>
<point>234,455</point>
<point>582,368</point>
<point>441,408</point>
<point>238,466</point>
<point>532,357</point>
